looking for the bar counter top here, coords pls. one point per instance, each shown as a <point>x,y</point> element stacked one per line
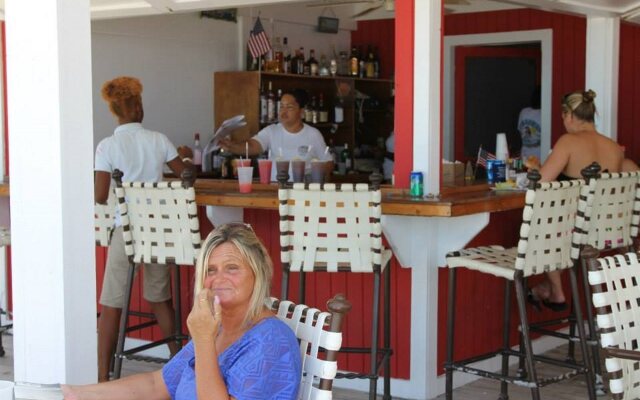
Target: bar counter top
<point>452,202</point>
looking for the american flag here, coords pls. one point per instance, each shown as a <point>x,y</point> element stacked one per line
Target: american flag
<point>258,40</point>
<point>483,156</point>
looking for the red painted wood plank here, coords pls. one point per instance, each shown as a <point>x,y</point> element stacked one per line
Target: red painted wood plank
<point>403,124</point>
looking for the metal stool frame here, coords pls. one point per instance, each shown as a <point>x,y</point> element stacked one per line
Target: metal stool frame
<point>547,242</point>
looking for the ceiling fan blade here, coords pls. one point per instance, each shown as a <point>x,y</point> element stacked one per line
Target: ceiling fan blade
<point>367,11</point>
<point>457,2</point>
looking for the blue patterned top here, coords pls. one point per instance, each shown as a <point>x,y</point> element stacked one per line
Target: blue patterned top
<point>263,364</point>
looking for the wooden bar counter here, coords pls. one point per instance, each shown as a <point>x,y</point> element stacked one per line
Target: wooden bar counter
<point>452,202</point>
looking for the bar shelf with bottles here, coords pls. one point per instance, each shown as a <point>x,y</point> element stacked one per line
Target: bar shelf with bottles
<point>364,117</point>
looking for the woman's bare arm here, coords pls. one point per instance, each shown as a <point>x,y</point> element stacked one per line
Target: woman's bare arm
<point>101,184</point>
<point>146,386</point>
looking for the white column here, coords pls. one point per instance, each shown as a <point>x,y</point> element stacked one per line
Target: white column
<point>603,44</point>
<point>426,93</point>
<point>51,145</point>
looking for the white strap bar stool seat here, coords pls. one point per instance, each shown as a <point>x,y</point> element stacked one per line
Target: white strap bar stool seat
<point>336,228</point>
<point>160,225</point>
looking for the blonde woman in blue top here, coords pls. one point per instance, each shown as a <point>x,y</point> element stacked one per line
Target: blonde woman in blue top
<point>239,349</point>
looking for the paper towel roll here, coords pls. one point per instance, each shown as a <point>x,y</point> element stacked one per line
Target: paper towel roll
<point>502,150</point>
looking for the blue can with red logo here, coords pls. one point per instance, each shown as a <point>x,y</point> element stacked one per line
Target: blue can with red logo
<point>496,171</point>
<point>416,184</point>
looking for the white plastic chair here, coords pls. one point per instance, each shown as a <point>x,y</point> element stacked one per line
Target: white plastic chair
<point>320,337</point>
<point>548,242</point>
<point>616,296</point>
<point>160,225</point>
<point>336,228</point>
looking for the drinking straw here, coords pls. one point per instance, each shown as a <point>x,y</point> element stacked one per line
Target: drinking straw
<point>326,150</point>
<point>280,148</point>
<point>246,149</point>
<point>269,154</point>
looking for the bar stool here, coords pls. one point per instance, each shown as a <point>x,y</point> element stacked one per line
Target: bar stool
<point>320,336</point>
<point>547,243</point>
<point>607,220</point>
<point>104,220</point>
<point>616,296</point>
<point>160,225</point>
<point>336,228</point>
<point>5,324</point>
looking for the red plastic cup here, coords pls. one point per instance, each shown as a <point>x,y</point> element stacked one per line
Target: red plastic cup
<point>264,167</point>
<point>245,175</point>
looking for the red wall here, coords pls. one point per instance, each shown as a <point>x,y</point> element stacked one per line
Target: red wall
<point>480,295</point>
<point>629,90</point>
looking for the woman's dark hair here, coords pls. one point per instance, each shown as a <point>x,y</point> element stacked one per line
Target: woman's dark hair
<point>301,96</point>
<point>580,104</point>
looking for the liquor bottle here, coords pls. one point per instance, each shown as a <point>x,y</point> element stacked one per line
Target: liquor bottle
<point>338,110</point>
<point>370,64</point>
<point>345,157</point>
<point>308,113</point>
<point>263,106</point>
<point>278,103</point>
<point>286,52</point>
<point>354,62</point>
<point>314,110</point>
<point>197,152</point>
<point>332,153</point>
<point>217,159</point>
<point>312,63</point>
<point>361,66</point>
<point>301,66</point>
<point>376,63</point>
<point>278,55</point>
<point>323,114</point>
<point>271,104</point>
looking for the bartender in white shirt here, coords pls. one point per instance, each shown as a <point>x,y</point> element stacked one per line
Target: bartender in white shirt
<point>288,139</point>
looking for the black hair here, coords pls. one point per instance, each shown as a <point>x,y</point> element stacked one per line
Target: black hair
<point>301,96</point>
<point>535,97</point>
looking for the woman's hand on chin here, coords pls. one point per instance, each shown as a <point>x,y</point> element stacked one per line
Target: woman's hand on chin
<point>205,317</point>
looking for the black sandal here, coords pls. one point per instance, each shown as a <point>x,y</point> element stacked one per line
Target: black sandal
<point>535,303</point>
<point>557,307</point>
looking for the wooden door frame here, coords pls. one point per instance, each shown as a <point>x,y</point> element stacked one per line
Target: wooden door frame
<point>542,36</point>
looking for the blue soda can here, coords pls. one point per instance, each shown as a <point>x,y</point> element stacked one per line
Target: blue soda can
<point>416,185</point>
<point>496,171</point>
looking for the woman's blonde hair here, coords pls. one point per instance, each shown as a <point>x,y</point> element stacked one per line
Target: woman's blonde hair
<point>580,104</point>
<point>122,94</point>
<point>252,251</point>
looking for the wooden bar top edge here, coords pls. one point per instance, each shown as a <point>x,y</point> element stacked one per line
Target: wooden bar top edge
<point>394,201</point>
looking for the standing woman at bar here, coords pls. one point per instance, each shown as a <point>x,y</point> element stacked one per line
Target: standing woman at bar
<point>575,150</point>
<point>140,154</point>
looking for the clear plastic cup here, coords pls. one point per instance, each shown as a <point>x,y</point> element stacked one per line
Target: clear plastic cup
<point>318,169</point>
<point>264,167</point>
<point>237,162</point>
<point>297,170</point>
<point>282,166</point>
<point>245,175</point>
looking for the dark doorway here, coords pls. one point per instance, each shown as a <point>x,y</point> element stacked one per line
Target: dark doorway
<point>493,83</point>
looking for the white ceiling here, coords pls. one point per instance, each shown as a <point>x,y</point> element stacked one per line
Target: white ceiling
<point>104,9</point>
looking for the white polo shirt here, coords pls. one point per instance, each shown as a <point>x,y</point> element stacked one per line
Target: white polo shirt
<point>308,144</point>
<point>139,153</point>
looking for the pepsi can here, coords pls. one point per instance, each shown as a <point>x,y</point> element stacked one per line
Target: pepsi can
<point>496,171</point>
<point>416,184</point>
